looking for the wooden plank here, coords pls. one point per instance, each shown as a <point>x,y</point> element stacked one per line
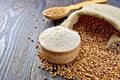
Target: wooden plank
<point>19,54</point>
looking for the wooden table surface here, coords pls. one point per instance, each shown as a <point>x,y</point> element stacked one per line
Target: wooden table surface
<point>19,21</point>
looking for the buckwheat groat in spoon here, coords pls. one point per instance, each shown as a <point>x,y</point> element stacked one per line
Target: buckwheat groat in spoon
<point>60,12</point>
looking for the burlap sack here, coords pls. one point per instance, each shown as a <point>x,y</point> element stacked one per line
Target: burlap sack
<point>107,12</point>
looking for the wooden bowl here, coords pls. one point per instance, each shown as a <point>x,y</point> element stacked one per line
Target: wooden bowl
<point>60,56</point>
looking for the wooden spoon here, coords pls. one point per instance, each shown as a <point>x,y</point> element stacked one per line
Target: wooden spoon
<point>60,12</point>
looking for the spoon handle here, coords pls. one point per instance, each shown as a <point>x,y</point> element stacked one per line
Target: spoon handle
<point>81,4</point>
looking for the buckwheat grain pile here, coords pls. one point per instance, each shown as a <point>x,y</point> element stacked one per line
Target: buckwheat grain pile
<point>94,61</point>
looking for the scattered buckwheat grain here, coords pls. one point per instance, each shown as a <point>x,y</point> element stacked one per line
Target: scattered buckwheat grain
<point>94,62</point>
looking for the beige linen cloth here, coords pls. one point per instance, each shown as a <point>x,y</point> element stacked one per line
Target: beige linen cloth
<point>107,12</point>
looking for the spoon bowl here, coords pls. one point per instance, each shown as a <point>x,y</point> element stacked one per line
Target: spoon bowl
<point>55,13</point>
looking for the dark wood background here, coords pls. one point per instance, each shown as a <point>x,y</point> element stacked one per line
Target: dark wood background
<point>21,22</point>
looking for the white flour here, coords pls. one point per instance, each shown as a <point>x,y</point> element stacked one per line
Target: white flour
<point>59,39</point>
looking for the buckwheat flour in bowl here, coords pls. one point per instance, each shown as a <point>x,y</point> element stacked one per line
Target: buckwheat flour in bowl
<point>59,45</point>
<point>99,55</point>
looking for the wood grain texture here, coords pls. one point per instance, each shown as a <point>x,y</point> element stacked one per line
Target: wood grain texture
<point>18,18</point>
